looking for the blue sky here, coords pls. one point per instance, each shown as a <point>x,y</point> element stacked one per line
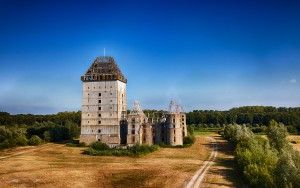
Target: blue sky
<point>204,54</point>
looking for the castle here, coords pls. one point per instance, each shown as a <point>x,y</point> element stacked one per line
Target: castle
<point>104,112</point>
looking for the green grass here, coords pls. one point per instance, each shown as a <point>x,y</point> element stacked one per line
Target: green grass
<point>197,133</point>
<point>206,131</point>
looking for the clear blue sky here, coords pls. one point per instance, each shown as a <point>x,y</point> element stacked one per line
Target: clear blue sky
<point>205,54</point>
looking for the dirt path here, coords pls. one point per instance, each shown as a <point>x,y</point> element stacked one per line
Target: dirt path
<point>197,179</point>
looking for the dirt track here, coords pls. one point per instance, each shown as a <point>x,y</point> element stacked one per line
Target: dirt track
<point>197,179</point>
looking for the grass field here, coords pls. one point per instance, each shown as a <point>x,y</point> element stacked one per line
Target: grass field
<point>55,165</point>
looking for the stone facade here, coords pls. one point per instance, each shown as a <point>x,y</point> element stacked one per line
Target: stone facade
<point>103,107</point>
<point>104,117</point>
<point>139,130</point>
<point>169,128</point>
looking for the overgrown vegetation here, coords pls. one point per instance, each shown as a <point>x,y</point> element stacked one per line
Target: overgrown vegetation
<point>22,130</point>
<point>190,138</point>
<point>101,149</point>
<point>265,162</point>
<point>35,140</point>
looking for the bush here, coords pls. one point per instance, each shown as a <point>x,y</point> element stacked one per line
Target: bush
<point>5,144</point>
<point>22,140</point>
<point>12,137</point>
<point>287,170</point>
<point>99,146</point>
<point>277,134</point>
<point>292,129</point>
<point>35,140</point>
<point>256,160</point>
<point>104,150</point>
<point>188,140</point>
<point>143,149</point>
<point>191,129</point>
<point>47,136</point>
<point>265,162</point>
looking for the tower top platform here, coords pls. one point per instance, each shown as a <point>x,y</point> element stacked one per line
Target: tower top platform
<point>104,68</point>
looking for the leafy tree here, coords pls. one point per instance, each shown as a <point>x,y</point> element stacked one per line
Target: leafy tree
<point>277,134</point>
<point>286,172</point>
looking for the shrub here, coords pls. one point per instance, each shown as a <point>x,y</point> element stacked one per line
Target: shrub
<point>277,134</point>
<point>256,160</point>
<point>286,172</point>
<point>191,129</point>
<point>22,140</point>
<point>35,140</point>
<point>188,140</point>
<point>135,151</point>
<point>292,129</point>
<point>5,144</point>
<point>265,162</point>
<point>47,136</point>
<point>142,149</point>
<point>99,146</point>
<point>12,137</point>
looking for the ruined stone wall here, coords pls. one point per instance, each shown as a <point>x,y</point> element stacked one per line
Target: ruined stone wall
<point>183,124</point>
<point>135,128</point>
<point>147,137</point>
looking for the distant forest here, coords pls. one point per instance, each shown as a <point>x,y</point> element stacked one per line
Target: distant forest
<point>28,129</point>
<point>66,125</point>
<point>254,116</point>
<point>30,119</point>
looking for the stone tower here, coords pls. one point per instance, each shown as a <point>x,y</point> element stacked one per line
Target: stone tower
<point>176,124</point>
<point>139,130</point>
<point>103,102</point>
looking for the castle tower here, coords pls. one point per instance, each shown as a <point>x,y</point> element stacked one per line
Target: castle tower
<point>176,125</point>
<point>139,130</point>
<point>103,102</point>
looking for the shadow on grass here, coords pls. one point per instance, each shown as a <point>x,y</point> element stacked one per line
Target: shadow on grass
<point>130,178</point>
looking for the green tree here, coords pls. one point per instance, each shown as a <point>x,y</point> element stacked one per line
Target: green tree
<point>277,134</point>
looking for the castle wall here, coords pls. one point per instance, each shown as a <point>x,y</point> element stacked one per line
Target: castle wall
<point>183,124</point>
<point>103,104</point>
<point>147,136</point>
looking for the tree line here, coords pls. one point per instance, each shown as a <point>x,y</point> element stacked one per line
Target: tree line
<point>66,125</point>
<point>28,129</point>
<point>254,116</point>
<point>30,119</point>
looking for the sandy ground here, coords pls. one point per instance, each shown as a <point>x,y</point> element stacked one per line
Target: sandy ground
<point>60,166</point>
<point>296,141</point>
